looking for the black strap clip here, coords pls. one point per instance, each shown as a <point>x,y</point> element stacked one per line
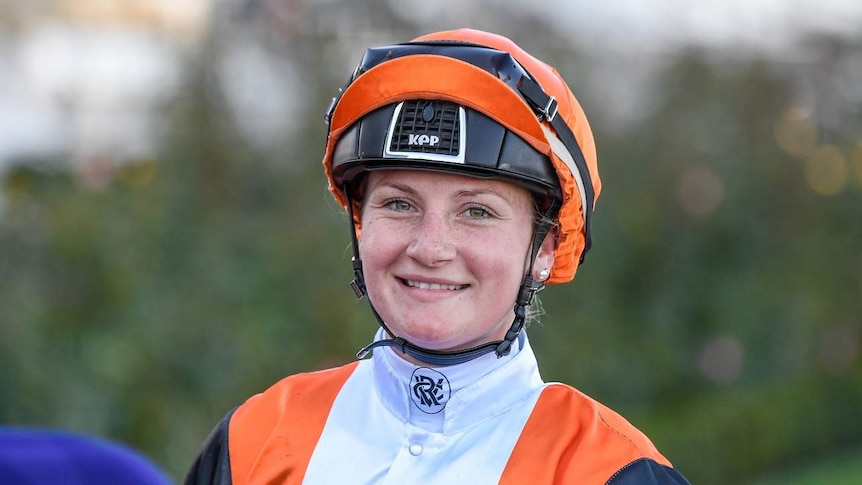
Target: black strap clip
<point>549,112</point>
<point>358,283</point>
<point>544,104</point>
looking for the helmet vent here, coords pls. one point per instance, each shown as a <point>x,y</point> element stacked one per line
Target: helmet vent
<point>425,129</point>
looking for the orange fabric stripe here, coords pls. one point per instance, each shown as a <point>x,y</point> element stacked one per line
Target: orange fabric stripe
<point>273,434</point>
<point>571,438</point>
<point>428,76</point>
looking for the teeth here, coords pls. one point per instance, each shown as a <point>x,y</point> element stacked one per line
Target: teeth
<point>433,286</point>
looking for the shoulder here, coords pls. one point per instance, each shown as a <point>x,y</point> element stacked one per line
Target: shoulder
<point>287,418</point>
<point>597,423</point>
<point>575,437</point>
<point>307,390</point>
<point>290,398</point>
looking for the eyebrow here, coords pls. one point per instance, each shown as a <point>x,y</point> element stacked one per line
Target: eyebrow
<point>482,191</point>
<point>403,188</point>
<point>461,193</point>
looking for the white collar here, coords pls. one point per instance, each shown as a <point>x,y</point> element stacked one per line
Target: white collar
<point>448,399</point>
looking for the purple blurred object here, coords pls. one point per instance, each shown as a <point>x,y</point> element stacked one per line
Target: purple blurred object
<point>33,456</point>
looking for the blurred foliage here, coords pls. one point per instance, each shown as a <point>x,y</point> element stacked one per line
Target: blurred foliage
<point>720,309</point>
<point>841,468</point>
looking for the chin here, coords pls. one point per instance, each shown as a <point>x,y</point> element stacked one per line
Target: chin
<point>435,336</point>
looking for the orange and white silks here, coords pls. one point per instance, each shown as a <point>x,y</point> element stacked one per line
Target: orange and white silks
<point>362,424</point>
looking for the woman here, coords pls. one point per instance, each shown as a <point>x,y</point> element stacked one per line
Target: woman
<point>468,171</point>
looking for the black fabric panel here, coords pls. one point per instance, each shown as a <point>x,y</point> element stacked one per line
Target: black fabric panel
<point>346,147</point>
<point>484,140</point>
<point>212,466</point>
<point>519,157</point>
<point>373,130</point>
<point>645,471</point>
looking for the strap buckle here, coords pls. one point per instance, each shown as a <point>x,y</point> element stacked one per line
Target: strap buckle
<point>550,110</point>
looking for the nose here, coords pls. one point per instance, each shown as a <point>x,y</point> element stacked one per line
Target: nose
<point>432,243</point>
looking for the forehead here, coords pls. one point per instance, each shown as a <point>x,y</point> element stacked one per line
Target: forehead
<point>443,182</point>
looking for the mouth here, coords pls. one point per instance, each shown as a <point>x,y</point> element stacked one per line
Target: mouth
<point>432,286</point>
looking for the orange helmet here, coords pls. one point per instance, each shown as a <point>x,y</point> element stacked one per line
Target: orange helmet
<point>474,103</point>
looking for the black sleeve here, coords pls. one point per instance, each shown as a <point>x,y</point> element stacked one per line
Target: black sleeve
<point>644,471</point>
<point>212,466</point>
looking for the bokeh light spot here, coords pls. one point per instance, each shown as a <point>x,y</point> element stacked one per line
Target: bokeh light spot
<point>95,173</point>
<point>721,359</point>
<point>796,133</point>
<point>17,188</point>
<point>826,170</point>
<point>138,174</point>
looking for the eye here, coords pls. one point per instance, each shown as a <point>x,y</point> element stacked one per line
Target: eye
<point>477,212</point>
<point>399,205</point>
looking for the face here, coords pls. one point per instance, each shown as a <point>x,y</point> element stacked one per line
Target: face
<point>444,255</point>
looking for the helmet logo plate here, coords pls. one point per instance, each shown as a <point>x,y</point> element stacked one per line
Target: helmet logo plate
<point>434,131</point>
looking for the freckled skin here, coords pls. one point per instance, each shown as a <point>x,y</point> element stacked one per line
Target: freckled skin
<point>446,229</point>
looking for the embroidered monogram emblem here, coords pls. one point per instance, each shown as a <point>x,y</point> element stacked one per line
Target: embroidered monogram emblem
<point>429,389</point>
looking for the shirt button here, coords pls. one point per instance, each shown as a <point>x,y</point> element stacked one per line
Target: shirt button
<point>415,449</point>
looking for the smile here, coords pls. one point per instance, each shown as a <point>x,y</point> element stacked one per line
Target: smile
<point>432,286</point>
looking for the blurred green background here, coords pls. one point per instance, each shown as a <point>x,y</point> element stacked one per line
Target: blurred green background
<point>168,247</point>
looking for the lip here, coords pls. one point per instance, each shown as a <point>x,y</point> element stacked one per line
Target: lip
<point>425,286</point>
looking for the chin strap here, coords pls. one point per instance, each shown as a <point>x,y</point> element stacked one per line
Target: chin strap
<point>528,290</point>
<point>431,357</point>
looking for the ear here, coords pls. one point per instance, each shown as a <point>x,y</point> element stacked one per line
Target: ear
<point>545,256</point>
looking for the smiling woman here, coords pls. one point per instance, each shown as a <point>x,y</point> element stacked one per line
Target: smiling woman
<point>437,252</point>
<point>468,172</point>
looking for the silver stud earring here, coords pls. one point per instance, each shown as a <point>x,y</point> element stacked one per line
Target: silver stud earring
<point>543,275</point>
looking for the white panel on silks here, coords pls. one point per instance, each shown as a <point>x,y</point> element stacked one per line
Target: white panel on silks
<point>367,439</point>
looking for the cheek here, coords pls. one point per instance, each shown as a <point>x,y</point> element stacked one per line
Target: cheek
<point>378,244</point>
<point>501,259</point>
